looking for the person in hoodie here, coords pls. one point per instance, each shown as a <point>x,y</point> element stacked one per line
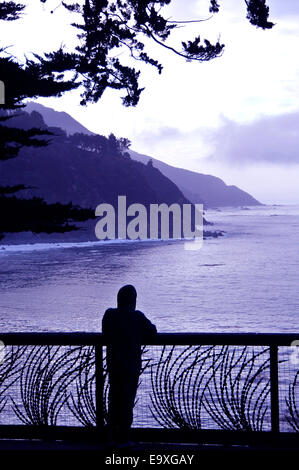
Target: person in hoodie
<point>124,330</point>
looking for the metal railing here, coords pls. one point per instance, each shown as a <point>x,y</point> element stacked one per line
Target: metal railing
<point>195,387</point>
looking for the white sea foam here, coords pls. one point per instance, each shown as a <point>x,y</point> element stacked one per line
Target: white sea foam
<point>56,245</point>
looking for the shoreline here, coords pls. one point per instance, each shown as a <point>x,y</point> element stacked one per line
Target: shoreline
<point>11,246</point>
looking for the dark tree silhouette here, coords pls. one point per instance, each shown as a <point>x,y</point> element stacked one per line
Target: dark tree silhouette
<point>38,216</point>
<point>111,25</point>
<point>29,81</point>
<point>116,147</point>
<point>105,27</point>
<point>10,10</point>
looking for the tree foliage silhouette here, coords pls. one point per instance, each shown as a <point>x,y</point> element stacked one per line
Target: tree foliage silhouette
<point>10,11</point>
<point>106,27</point>
<point>109,26</point>
<point>22,82</point>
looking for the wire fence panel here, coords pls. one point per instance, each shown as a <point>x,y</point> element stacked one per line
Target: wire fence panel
<point>206,387</point>
<point>45,385</point>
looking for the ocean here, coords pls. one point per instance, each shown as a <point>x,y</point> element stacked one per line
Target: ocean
<point>245,281</point>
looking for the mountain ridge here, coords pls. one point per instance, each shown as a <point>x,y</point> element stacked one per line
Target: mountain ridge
<point>201,188</point>
<point>197,187</point>
<point>53,118</point>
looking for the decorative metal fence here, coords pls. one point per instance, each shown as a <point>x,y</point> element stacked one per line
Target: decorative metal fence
<point>193,387</point>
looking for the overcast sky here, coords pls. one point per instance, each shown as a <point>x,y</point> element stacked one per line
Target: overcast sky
<point>236,117</point>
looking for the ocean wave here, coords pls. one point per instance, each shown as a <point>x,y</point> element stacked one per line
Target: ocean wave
<point>57,245</point>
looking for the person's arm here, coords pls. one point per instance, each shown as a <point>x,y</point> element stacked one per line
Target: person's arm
<point>149,329</point>
<point>106,324</point>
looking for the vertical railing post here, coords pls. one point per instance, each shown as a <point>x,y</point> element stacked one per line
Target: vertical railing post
<point>274,388</point>
<point>99,385</point>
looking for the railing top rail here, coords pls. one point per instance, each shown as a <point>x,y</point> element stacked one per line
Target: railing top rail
<point>91,339</point>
